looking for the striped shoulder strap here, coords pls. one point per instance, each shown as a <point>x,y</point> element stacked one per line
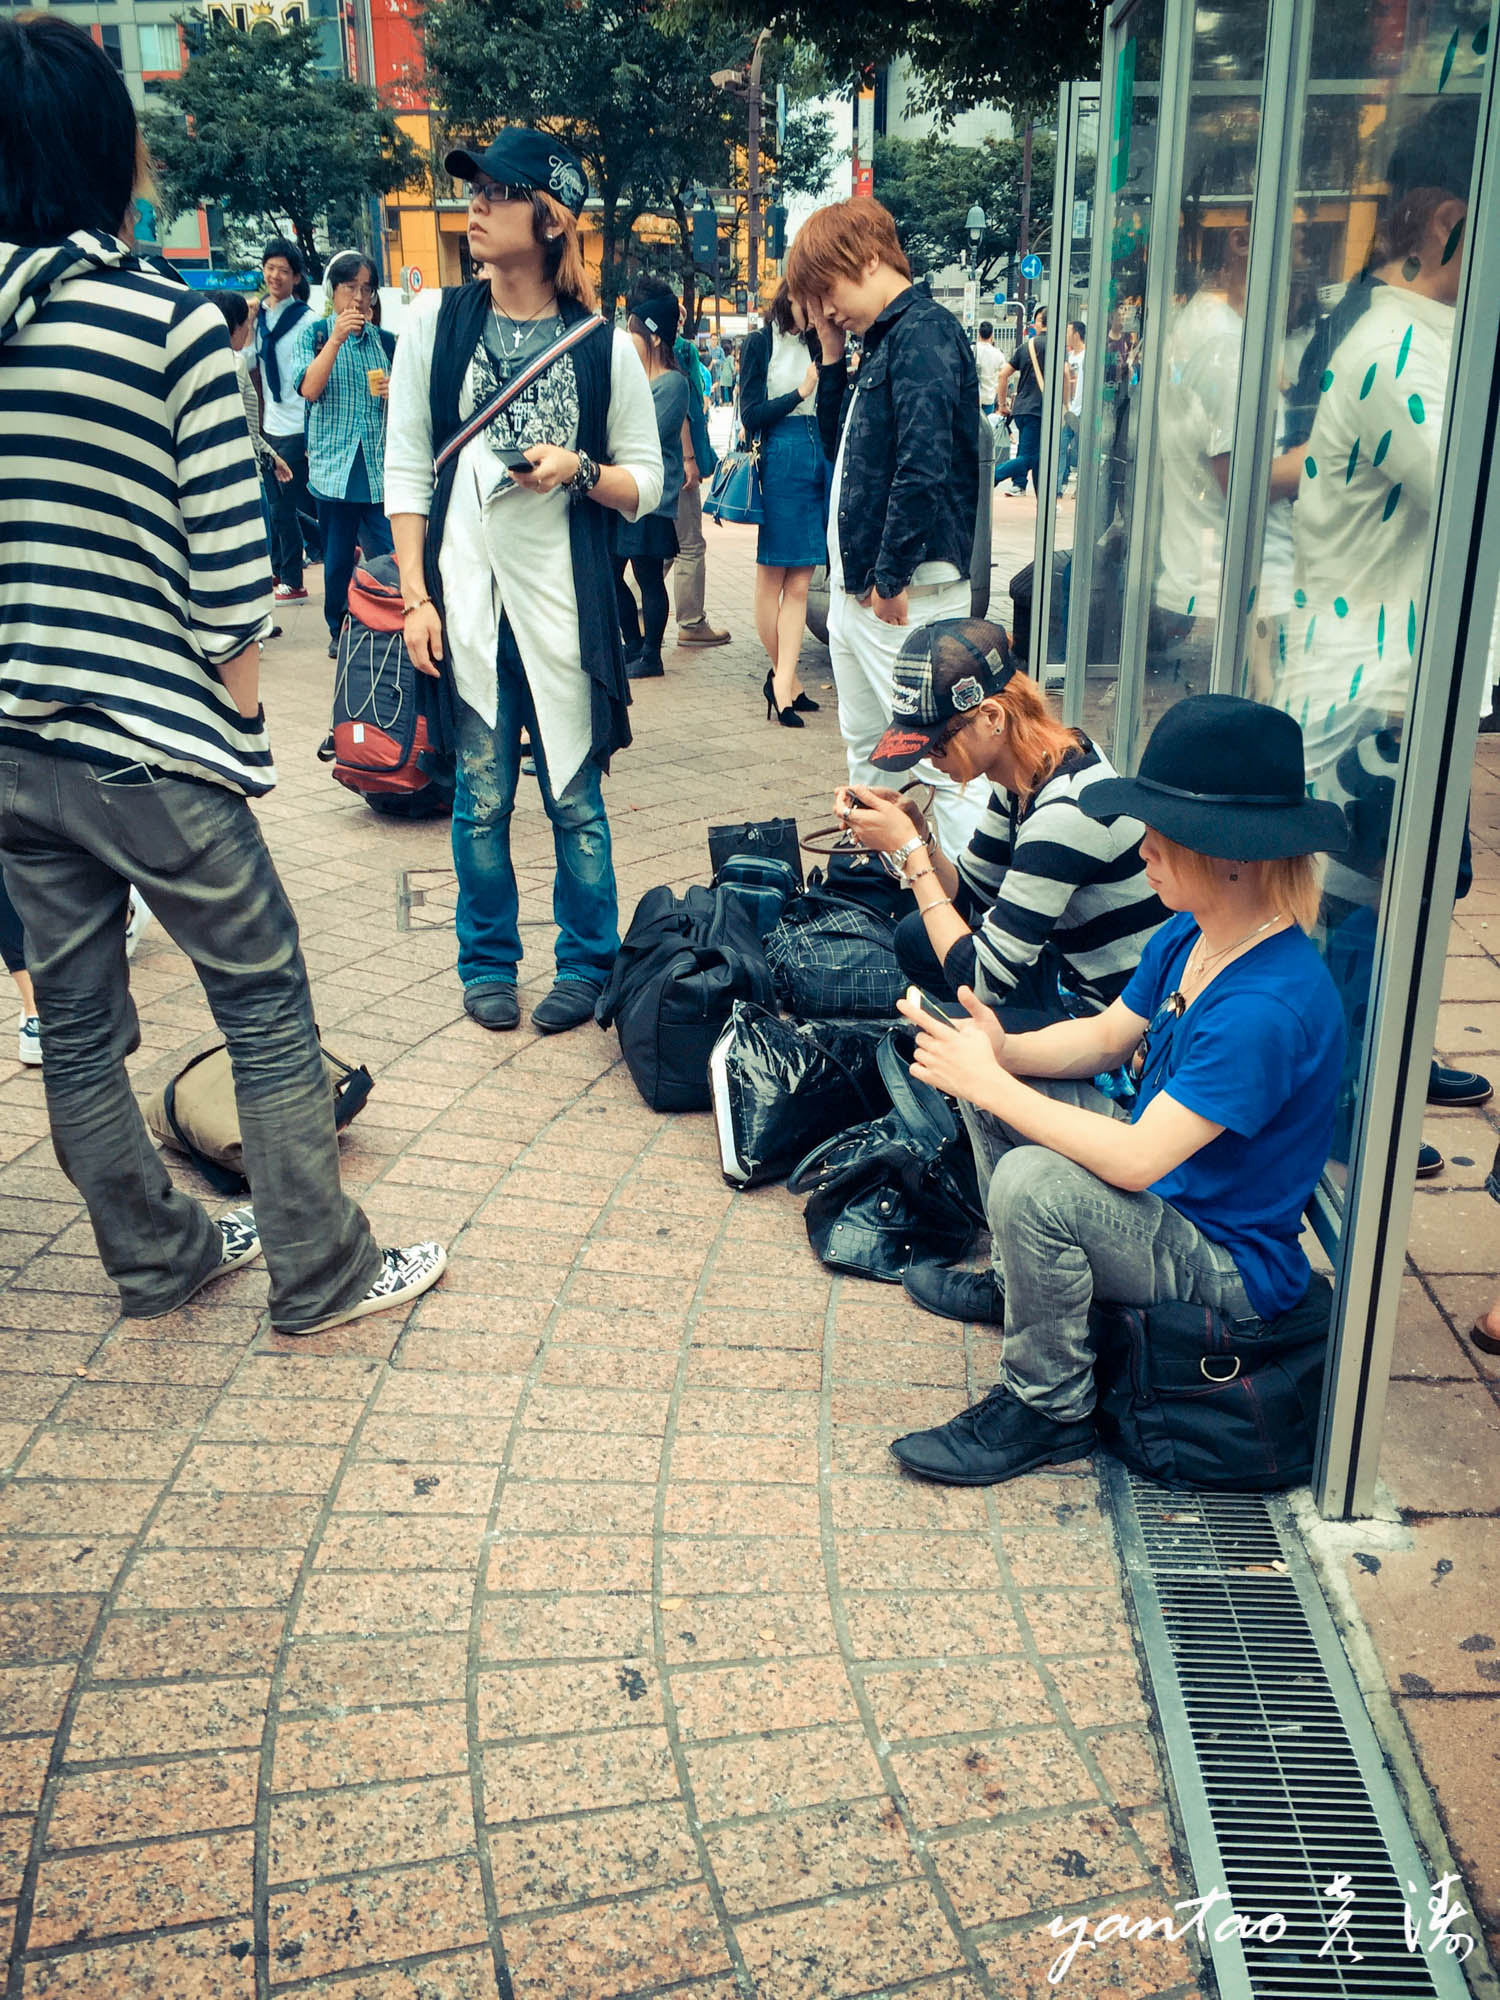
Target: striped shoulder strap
<point>486,416</point>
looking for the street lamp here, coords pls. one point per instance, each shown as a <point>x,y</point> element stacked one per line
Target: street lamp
<point>975,222</point>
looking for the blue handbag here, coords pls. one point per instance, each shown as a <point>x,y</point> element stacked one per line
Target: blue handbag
<point>735,494</point>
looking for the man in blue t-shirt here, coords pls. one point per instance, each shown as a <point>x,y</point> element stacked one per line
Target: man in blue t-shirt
<point>1233,1034</point>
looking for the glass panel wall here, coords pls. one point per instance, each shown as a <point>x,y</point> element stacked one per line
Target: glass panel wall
<point>1119,216</point>
<point>1378,237</point>
<point>1074,236</point>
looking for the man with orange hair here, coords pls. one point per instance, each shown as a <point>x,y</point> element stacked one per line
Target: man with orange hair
<point>904,442</point>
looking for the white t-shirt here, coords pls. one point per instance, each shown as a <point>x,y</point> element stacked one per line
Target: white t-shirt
<point>285,415</point>
<point>785,369</point>
<point>1075,401</point>
<point>926,576</point>
<point>1195,419</point>
<point>988,360</point>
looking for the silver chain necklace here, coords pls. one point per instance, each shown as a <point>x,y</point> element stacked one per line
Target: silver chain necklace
<point>518,326</point>
<point>1213,958</point>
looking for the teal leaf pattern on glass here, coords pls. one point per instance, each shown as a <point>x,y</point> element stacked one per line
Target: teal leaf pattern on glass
<point>1299,598</point>
<point>1417,407</point>
<point>1404,349</point>
<point>1380,635</point>
<point>1369,382</point>
<point>1354,684</point>
<point>1455,237</point>
<point>1411,627</point>
<point>1392,502</point>
<point>1448,54</point>
<point>1191,602</point>
<point>1325,380</point>
<point>1302,718</point>
<point>1381,449</point>
<point>1341,607</point>
<point>1481,39</point>
<point>1353,466</point>
<point>1311,466</point>
<point>1312,626</point>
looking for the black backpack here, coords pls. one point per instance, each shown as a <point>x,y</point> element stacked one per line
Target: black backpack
<point>685,961</point>
<point>1186,1398</point>
<point>895,1188</point>
<point>833,954</point>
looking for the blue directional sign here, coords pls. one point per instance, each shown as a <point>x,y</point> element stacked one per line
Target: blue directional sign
<point>1031,265</point>
<point>999,298</point>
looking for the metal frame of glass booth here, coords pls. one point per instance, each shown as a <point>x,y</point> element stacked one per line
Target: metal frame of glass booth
<point>1297,165</point>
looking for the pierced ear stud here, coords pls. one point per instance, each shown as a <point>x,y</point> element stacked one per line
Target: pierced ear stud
<point>1411,268</point>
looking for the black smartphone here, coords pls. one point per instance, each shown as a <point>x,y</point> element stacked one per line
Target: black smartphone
<point>514,459</point>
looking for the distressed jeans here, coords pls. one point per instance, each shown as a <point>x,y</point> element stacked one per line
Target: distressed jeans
<point>1060,1238</point>
<point>585,905</point>
<point>73,840</point>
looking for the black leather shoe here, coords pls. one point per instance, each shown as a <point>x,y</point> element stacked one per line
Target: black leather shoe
<point>568,1005</point>
<point>493,1006</point>
<point>965,1295</point>
<point>644,667</point>
<point>1457,1086</point>
<point>1429,1162</point>
<point>994,1440</point>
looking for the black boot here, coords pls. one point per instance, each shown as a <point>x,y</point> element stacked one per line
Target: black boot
<point>994,1440</point>
<point>952,1294</point>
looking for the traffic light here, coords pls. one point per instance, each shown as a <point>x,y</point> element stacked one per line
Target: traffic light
<point>776,232</point>
<point>705,237</point>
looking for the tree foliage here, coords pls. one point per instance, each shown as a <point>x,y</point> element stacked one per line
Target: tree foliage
<point>930,185</point>
<point>631,97</point>
<point>965,52</point>
<point>253,126</point>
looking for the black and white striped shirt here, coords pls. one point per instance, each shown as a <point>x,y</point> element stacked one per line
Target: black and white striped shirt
<point>1051,873</point>
<point>132,552</point>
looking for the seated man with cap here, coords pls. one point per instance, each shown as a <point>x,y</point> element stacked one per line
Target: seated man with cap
<point>1234,1033</point>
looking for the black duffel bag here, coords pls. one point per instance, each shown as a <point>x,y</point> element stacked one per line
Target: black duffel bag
<point>684,962</point>
<point>1188,1398</point>
<point>895,1188</point>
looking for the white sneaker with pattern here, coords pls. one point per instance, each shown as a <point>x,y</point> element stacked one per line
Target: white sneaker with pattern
<point>405,1274</point>
<point>29,1042</point>
<point>240,1245</point>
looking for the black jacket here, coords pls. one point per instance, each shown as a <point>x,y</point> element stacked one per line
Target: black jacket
<point>911,459</point>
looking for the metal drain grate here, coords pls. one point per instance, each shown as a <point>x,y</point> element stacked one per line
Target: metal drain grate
<point>1279,1777</point>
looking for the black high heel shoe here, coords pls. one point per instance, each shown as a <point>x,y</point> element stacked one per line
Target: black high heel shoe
<point>805,705</point>
<point>788,716</point>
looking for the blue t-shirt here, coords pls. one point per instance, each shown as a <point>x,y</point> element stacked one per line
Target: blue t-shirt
<point>1259,1052</point>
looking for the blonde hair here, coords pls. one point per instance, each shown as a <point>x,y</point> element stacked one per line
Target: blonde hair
<point>1037,741</point>
<point>1292,884</point>
<point>838,241</point>
<point>556,231</point>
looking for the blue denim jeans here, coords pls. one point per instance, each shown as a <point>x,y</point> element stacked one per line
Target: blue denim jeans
<point>1028,454</point>
<point>585,906</point>
<point>348,525</point>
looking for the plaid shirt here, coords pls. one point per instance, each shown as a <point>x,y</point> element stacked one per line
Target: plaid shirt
<point>346,415</point>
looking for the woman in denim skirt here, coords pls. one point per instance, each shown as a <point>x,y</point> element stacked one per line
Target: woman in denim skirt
<point>778,386</point>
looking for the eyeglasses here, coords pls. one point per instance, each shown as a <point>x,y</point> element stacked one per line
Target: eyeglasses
<point>1170,1009</point>
<point>955,729</point>
<point>359,291</point>
<point>493,191</point>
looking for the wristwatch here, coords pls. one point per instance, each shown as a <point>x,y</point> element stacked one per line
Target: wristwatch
<point>586,478</point>
<point>904,853</point>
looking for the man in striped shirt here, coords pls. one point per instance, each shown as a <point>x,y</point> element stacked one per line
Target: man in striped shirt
<point>133,591</point>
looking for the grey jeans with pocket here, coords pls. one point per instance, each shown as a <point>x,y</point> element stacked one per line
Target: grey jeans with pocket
<point>74,839</point>
<point>1060,1238</point>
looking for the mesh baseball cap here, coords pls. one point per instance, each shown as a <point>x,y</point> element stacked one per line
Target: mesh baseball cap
<point>943,671</point>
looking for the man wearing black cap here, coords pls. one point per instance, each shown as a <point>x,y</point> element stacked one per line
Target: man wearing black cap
<point>505,563</point>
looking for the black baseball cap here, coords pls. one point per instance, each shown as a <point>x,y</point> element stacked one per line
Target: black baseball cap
<point>523,158</point>
<point>943,671</point>
<point>659,313</point>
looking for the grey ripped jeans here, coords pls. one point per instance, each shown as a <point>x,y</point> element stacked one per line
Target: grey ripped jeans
<point>73,840</point>
<point>1060,1237</point>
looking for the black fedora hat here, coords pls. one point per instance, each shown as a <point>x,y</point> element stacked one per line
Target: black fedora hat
<point>1225,777</point>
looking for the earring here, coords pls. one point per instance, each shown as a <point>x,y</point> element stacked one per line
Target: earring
<point>1412,268</point>
<point>998,730</point>
<point>1234,874</point>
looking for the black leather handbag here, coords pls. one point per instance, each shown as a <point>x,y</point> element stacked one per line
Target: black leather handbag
<point>1189,1398</point>
<point>896,1188</point>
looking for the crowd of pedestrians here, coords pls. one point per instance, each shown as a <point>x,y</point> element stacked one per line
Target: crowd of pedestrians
<point>527,463</point>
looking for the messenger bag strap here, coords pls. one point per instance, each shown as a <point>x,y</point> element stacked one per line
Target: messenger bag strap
<point>487,415</point>
<point>1036,366</point>
<point>223,1180</point>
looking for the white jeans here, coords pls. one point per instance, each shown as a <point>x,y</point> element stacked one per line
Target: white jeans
<point>864,650</point>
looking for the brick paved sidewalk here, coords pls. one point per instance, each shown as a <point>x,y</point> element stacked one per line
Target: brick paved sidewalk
<point>573,1635</point>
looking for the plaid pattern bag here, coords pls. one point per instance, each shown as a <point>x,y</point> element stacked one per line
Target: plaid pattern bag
<point>832,959</point>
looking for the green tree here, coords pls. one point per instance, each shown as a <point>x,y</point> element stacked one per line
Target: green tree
<point>929,187</point>
<point>966,52</point>
<point>254,127</point>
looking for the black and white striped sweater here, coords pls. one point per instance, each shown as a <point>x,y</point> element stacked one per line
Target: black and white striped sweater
<point>1051,873</point>
<point>132,552</point>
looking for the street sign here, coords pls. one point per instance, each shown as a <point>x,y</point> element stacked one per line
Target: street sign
<point>414,279</point>
<point>1031,265</point>
<point>999,299</point>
